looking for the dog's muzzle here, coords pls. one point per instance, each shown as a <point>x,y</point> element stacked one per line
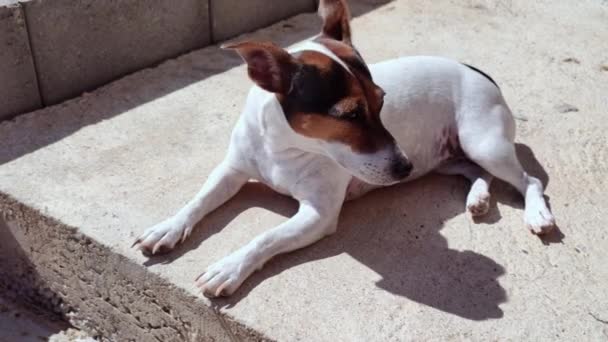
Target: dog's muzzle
<point>400,169</point>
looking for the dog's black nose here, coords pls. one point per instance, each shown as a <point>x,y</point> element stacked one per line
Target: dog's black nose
<point>401,169</point>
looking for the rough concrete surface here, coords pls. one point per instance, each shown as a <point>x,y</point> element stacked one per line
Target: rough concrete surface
<point>79,181</point>
<point>18,85</point>
<point>232,17</point>
<point>82,44</point>
<point>23,324</point>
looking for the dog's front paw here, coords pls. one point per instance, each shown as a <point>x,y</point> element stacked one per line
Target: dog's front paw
<point>224,277</point>
<point>163,237</point>
<point>540,221</point>
<point>478,203</point>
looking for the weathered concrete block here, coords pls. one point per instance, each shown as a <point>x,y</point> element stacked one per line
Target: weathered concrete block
<point>233,17</point>
<point>57,268</point>
<point>82,44</point>
<point>18,87</point>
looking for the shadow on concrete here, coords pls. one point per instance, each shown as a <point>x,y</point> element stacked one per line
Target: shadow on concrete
<point>399,238</point>
<point>252,195</point>
<point>24,313</point>
<point>175,76</point>
<point>24,324</point>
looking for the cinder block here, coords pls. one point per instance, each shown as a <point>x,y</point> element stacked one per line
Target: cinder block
<point>233,17</point>
<point>81,44</point>
<point>18,87</point>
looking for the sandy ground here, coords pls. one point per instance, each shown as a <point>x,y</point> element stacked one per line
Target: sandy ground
<point>406,263</point>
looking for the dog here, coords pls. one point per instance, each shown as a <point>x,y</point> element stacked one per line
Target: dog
<point>323,127</point>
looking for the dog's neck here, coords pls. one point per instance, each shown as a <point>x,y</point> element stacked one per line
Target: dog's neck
<point>268,120</point>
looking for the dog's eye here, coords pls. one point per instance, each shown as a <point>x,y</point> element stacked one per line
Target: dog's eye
<point>351,115</point>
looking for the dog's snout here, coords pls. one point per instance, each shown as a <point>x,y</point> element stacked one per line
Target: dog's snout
<point>401,168</point>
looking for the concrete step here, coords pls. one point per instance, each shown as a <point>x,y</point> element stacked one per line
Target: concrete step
<point>80,180</point>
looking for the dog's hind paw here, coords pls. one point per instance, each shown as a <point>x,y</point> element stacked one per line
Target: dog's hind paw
<point>540,221</point>
<point>163,237</point>
<point>478,204</point>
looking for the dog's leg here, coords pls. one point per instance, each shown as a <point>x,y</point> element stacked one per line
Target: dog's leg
<point>309,224</point>
<point>493,150</point>
<point>478,199</point>
<point>223,183</point>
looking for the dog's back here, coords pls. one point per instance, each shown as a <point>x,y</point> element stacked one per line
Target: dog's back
<point>430,99</point>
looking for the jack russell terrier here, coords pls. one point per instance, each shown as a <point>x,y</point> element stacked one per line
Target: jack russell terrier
<point>324,128</point>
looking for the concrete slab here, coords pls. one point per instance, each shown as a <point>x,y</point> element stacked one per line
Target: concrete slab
<point>79,181</point>
<point>233,17</point>
<point>18,85</point>
<point>80,45</point>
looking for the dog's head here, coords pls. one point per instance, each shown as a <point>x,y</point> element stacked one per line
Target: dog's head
<point>328,95</point>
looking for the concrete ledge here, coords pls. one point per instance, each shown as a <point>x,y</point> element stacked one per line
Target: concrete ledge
<point>18,86</point>
<point>110,297</point>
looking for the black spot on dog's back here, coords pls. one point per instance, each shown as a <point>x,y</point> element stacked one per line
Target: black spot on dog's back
<point>482,73</point>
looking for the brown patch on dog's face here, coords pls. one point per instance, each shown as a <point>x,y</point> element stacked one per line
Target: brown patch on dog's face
<point>328,102</point>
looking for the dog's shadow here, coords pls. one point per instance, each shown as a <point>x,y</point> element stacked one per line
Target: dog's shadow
<point>395,232</point>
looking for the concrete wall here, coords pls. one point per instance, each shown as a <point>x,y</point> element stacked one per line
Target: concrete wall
<point>232,17</point>
<point>78,45</point>
<point>18,85</point>
<point>81,44</point>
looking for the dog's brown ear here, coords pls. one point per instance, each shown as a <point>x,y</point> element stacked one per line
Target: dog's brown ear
<point>336,19</point>
<point>268,65</point>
